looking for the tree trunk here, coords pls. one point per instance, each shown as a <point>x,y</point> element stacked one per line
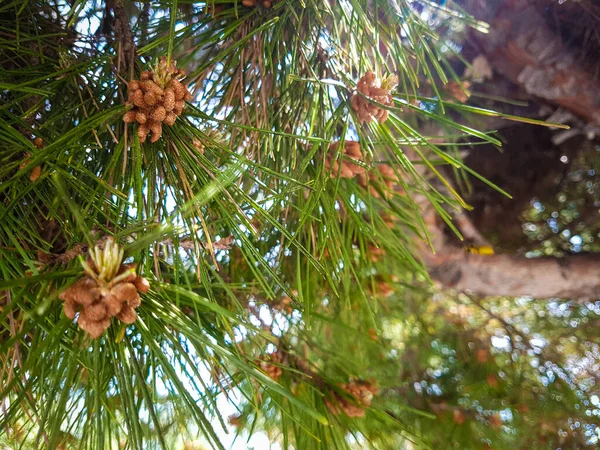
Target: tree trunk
<point>576,277</point>
<point>526,50</point>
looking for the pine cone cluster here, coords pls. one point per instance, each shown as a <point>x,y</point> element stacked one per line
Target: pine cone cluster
<point>360,394</point>
<point>373,88</point>
<point>386,179</point>
<point>267,364</point>
<point>157,97</point>
<point>348,169</point>
<point>109,289</point>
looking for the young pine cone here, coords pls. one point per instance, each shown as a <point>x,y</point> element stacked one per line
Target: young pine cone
<point>374,89</point>
<point>386,179</point>
<point>360,394</point>
<point>158,98</point>
<point>109,289</point>
<point>348,169</point>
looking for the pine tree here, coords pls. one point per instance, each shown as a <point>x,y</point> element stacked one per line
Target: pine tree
<point>231,202</point>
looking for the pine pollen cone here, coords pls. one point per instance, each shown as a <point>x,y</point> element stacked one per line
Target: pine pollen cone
<point>375,253</point>
<point>98,302</point>
<point>36,171</point>
<point>343,166</point>
<point>370,88</point>
<point>385,177</point>
<point>359,395</point>
<point>157,98</point>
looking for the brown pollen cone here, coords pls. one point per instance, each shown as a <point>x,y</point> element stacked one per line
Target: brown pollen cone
<point>158,98</point>
<point>98,301</point>
<point>386,179</point>
<point>375,253</point>
<point>344,166</point>
<point>372,88</point>
<point>36,171</point>
<point>458,417</point>
<point>359,396</point>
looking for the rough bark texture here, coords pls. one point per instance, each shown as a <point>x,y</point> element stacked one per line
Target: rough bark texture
<point>522,47</point>
<point>576,277</point>
<point>525,48</point>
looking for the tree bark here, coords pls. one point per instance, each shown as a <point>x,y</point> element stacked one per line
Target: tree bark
<point>522,47</point>
<point>576,277</point>
<point>530,53</point>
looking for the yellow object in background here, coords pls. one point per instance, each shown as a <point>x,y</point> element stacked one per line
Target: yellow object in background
<point>483,250</point>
